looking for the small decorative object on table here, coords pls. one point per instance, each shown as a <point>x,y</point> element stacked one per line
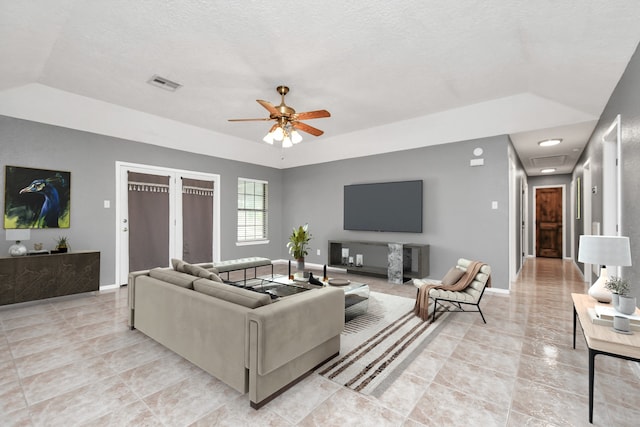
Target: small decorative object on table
<point>622,325</point>
<point>18,235</point>
<point>627,304</point>
<point>314,281</point>
<point>617,286</point>
<point>345,256</point>
<point>62,244</point>
<point>621,300</point>
<point>359,260</point>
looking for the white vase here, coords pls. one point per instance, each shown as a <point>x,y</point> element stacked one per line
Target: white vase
<point>18,249</point>
<point>615,300</point>
<point>597,290</point>
<point>627,304</point>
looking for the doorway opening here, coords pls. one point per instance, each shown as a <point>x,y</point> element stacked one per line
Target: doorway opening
<point>549,211</point>
<point>179,214</point>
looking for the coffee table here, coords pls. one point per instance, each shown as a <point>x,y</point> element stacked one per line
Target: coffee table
<point>356,299</point>
<point>356,294</point>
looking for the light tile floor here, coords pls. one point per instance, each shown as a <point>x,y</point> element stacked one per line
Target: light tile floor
<point>73,361</point>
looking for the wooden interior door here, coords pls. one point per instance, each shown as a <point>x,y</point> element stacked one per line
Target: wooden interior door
<point>549,222</point>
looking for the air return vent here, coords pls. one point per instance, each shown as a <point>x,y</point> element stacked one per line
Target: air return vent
<point>166,84</point>
<point>548,162</point>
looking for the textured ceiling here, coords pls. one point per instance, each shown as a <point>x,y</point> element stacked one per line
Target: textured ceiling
<point>429,71</point>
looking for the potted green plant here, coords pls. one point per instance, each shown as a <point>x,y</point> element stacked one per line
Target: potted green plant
<point>298,241</point>
<point>619,288</point>
<point>62,244</point>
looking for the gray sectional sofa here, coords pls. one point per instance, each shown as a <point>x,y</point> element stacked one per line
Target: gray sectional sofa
<point>244,338</point>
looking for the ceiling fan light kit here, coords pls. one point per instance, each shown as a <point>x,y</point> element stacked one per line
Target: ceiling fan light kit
<point>287,121</point>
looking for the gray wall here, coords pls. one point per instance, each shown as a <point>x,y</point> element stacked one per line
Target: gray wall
<point>550,180</point>
<point>458,219</point>
<point>626,102</point>
<point>91,159</point>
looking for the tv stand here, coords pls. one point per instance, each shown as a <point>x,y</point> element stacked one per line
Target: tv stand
<point>397,261</point>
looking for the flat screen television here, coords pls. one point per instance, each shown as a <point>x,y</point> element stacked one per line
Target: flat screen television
<point>384,206</point>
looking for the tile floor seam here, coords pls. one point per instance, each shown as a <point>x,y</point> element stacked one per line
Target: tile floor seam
<point>77,387</point>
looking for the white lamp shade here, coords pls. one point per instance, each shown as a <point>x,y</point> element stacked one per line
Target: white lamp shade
<point>268,138</point>
<point>296,137</point>
<point>18,234</point>
<point>278,134</point>
<point>286,142</point>
<point>605,250</point>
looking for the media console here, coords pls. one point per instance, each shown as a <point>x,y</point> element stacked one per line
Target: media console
<point>29,278</point>
<point>397,261</point>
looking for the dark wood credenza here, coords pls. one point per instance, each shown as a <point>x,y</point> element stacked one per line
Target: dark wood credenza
<point>35,277</point>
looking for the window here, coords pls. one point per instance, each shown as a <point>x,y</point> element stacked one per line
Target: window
<point>252,210</point>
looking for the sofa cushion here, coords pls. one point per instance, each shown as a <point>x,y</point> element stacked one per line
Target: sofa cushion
<point>174,277</point>
<point>231,294</point>
<point>453,275</point>
<point>200,270</point>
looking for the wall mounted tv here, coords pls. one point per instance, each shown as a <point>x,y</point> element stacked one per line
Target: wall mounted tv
<point>384,206</point>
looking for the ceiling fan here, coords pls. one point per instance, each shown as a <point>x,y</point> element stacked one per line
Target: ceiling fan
<point>287,121</point>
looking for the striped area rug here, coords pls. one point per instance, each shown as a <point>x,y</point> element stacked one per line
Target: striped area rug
<point>376,347</point>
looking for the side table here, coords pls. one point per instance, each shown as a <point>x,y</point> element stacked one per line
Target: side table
<point>601,340</point>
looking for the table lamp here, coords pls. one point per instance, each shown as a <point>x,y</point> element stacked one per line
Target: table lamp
<point>604,251</point>
<point>18,234</point>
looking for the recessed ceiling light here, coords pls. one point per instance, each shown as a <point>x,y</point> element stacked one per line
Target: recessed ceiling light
<point>550,142</point>
<point>548,170</point>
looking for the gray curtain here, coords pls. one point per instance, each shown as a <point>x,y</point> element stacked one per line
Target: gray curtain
<point>148,221</point>
<point>197,223</point>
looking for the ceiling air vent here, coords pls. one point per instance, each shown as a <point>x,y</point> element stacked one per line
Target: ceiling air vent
<point>551,161</point>
<point>166,84</point>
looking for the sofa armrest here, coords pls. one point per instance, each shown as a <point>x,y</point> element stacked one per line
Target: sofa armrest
<point>293,326</point>
<point>131,300</point>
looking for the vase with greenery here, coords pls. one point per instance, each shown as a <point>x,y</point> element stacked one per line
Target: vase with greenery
<point>298,242</point>
<point>62,244</point>
<point>619,287</point>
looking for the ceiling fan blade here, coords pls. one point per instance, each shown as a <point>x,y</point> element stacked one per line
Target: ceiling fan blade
<point>318,114</point>
<point>269,106</point>
<point>250,120</point>
<point>306,128</point>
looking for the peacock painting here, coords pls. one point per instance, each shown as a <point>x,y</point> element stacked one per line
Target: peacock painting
<point>36,198</point>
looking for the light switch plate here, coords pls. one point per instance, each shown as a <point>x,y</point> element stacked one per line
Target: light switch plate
<point>494,205</point>
<point>107,204</point>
